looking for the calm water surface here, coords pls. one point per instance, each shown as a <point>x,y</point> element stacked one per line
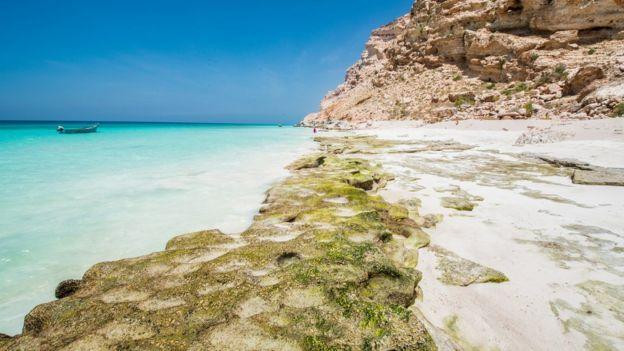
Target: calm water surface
<point>69,201</point>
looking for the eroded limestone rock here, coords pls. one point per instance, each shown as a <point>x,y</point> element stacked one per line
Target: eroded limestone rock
<point>447,48</point>
<point>583,77</point>
<point>587,174</point>
<point>598,177</point>
<point>431,220</point>
<point>455,270</point>
<point>67,288</point>
<point>311,161</point>
<point>457,203</point>
<point>461,200</point>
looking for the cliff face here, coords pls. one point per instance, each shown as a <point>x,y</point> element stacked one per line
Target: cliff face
<point>488,59</point>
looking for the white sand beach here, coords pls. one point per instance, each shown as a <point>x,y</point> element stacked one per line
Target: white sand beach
<point>560,244</point>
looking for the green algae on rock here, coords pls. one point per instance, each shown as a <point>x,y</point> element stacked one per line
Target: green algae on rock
<point>456,270</point>
<point>311,161</point>
<point>598,298</point>
<point>457,203</point>
<point>326,265</point>
<point>461,200</point>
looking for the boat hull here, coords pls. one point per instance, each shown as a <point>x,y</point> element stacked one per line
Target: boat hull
<point>92,129</point>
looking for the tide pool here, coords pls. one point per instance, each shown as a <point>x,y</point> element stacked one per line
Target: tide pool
<point>70,201</point>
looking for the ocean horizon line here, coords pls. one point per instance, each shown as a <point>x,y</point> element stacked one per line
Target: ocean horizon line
<point>9,121</point>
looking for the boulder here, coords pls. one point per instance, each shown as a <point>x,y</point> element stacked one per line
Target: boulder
<point>581,79</point>
<point>590,88</point>
<point>492,97</point>
<point>465,96</point>
<point>430,220</point>
<point>560,39</point>
<point>610,91</point>
<point>312,161</point>
<point>599,177</point>
<point>457,203</point>
<point>67,288</point>
<point>443,112</point>
<point>456,270</point>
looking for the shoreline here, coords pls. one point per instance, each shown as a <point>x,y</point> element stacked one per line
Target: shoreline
<point>208,289</point>
<point>119,207</point>
<point>490,270</point>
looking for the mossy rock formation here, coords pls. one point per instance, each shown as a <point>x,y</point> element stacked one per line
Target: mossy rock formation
<point>325,265</point>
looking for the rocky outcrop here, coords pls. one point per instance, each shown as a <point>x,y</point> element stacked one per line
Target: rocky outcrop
<point>518,58</point>
<point>614,177</point>
<point>67,288</point>
<point>581,79</point>
<point>326,265</point>
<point>456,270</point>
<point>587,174</point>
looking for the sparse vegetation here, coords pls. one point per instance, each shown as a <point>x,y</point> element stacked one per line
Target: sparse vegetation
<point>490,85</point>
<point>400,109</point>
<point>528,109</point>
<point>513,89</point>
<point>591,51</point>
<point>464,100</point>
<point>544,78</point>
<point>560,71</point>
<point>618,110</point>
<point>522,86</point>
<point>457,77</point>
<point>534,57</point>
<point>501,62</point>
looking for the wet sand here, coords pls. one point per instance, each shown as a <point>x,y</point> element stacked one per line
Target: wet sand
<point>560,244</point>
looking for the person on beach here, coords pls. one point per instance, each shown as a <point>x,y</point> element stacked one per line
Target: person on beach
<point>314,130</point>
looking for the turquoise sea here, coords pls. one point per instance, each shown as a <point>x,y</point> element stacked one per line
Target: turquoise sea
<point>70,201</point>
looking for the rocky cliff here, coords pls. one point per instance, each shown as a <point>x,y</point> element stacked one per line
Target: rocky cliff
<point>487,59</point>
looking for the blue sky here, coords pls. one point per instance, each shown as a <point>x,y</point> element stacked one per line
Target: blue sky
<point>208,61</point>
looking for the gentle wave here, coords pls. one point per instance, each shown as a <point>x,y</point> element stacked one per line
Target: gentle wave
<point>69,201</point>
